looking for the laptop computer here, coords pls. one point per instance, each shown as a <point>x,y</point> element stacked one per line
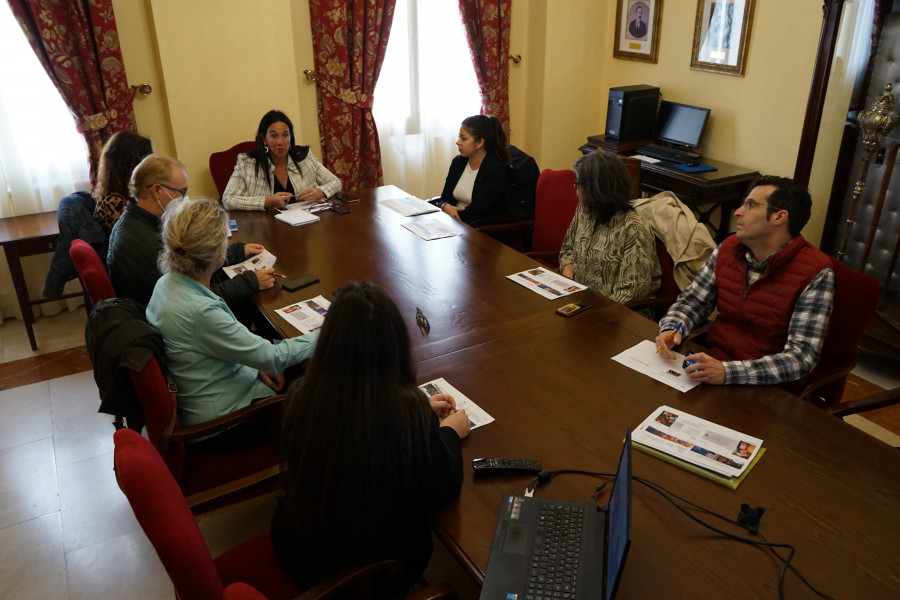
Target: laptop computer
<point>526,562</point>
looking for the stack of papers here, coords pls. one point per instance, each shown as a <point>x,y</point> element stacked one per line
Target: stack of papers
<point>306,316</point>
<point>263,260</point>
<point>715,452</point>
<point>401,202</point>
<point>546,283</point>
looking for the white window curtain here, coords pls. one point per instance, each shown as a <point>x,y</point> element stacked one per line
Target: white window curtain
<point>42,156</point>
<point>427,86</point>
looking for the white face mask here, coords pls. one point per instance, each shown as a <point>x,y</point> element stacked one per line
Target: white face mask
<point>171,200</point>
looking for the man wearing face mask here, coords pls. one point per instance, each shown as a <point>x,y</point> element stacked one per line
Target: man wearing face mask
<point>135,242</point>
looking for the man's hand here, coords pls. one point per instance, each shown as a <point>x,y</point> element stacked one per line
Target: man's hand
<point>273,380</point>
<point>665,344</point>
<point>706,369</point>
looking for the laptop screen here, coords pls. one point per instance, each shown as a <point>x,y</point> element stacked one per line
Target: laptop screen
<point>681,124</point>
<point>619,520</point>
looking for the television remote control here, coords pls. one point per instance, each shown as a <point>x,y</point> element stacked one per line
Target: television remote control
<point>502,466</point>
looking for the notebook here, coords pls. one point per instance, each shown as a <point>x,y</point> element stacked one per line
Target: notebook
<point>526,563</point>
<point>297,217</point>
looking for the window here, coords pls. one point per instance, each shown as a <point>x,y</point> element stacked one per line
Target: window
<point>427,86</point>
<point>42,155</point>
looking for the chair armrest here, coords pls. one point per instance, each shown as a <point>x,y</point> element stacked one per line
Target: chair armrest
<point>351,577</point>
<point>815,380</point>
<point>222,423</point>
<point>488,226</point>
<point>873,402</point>
<point>441,591</point>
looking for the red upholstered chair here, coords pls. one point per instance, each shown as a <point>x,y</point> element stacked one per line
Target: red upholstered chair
<point>668,288</point>
<point>207,479</point>
<point>91,271</point>
<point>554,207</point>
<point>167,521</point>
<point>856,297</point>
<point>221,164</point>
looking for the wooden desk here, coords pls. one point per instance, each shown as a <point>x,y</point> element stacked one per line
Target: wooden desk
<point>828,489</point>
<point>458,282</point>
<point>723,189</point>
<point>26,236</point>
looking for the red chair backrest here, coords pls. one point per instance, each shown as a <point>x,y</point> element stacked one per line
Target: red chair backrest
<point>221,164</point>
<point>667,287</point>
<point>156,402</point>
<point>554,207</point>
<point>160,508</point>
<point>92,271</point>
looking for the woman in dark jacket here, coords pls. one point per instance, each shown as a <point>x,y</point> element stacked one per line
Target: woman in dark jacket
<point>366,457</point>
<point>476,182</point>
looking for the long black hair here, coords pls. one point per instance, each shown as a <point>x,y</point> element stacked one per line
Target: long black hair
<point>353,422</point>
<point>260,153</point>
<point>605,185</point>
<point>489,129</point>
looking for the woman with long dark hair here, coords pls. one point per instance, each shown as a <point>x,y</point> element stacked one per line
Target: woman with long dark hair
<point>609,246</point>
<point>476,183</point>
<point>277,171</point>
<point>121,154</point>
<point>366,457</point>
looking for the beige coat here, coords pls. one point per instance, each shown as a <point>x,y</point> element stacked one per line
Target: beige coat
<point>688,242</point>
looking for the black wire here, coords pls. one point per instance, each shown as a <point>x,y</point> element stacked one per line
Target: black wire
<point>545,476</point>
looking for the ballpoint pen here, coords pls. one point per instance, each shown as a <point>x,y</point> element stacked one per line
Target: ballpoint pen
<point>669,337</point>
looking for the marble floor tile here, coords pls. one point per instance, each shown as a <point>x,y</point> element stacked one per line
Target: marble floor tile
<point>79,431</point>
<point>28,487</point>
<point>32,560</point>
<point>92,507</point>
<point>25,415</point>
<point>122,567</point>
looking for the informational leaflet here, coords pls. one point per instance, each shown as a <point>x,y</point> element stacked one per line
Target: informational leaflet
<point>698,441</point>
<point>644,358</point>
<point>401,202</point>
<point>306,316</point>
<point>263,260</point>
<point>431,229</point>
<point>477,415</point>
<point>546,283</point>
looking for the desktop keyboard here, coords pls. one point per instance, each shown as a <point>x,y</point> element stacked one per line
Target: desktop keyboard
<point>557,549</point>
<point>666,153</point>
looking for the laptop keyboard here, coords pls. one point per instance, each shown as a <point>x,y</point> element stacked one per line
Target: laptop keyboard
<point>666,153</point>
<point>557,552</point>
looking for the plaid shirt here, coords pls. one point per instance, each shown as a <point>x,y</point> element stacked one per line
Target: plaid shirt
<point>806,331</point>
<point>247,189</point>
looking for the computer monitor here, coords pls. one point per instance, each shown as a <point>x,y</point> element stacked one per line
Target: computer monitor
<point>681,124</point>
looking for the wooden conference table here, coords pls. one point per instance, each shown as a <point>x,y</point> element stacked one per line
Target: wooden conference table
<point>828,489</point>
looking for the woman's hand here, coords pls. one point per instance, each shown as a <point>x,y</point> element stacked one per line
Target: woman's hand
<point>459,422</point>
<point>278,200</point>
<point>568,271</point>
<point>453,211</point>
<point>252,249</point>
<point>273,380</point>
<point>311,195</point>
<point>443,405</point>
<point>265,277</point>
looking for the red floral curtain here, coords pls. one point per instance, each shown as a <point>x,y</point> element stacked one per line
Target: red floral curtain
<point>487,29</point>
<point>78,44</point>
<point>349,41</point>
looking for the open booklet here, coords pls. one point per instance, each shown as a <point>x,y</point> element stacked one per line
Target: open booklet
<point>715,452</point>
<point>546,283</point>
<point>306,316</point>
<point>408,206</point>
<point>477,415</point>
<point>263,260</point>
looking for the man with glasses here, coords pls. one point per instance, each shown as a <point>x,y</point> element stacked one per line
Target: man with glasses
<point>773,291</point>
<point>135,243</point>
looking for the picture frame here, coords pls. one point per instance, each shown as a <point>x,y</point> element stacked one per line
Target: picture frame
<point>637,29</point>
<point>721,34</point>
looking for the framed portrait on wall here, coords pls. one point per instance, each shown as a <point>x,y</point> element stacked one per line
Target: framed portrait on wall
<point>637,29</point>
<point>721,32</point>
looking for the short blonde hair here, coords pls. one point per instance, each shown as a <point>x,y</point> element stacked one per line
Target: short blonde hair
<point>155,168</point>
<point>193,233</point>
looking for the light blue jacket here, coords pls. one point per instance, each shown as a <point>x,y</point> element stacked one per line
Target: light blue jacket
<point>214,359</point>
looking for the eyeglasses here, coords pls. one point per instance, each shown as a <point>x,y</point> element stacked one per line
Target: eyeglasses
<point>749,203</point>
<point>182,191</point>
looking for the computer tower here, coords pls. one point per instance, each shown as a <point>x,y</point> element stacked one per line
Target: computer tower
<point>632,112</point>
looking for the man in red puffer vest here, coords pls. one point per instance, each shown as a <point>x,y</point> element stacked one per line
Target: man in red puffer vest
<point>773,291</point>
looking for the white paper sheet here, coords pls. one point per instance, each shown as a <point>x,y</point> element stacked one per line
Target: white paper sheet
<point>546,283</point>
<point>643,358</point>
<point>431,229</point>
<point>477,415</point>
<point>263,260</point>
<point>307,315</point>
